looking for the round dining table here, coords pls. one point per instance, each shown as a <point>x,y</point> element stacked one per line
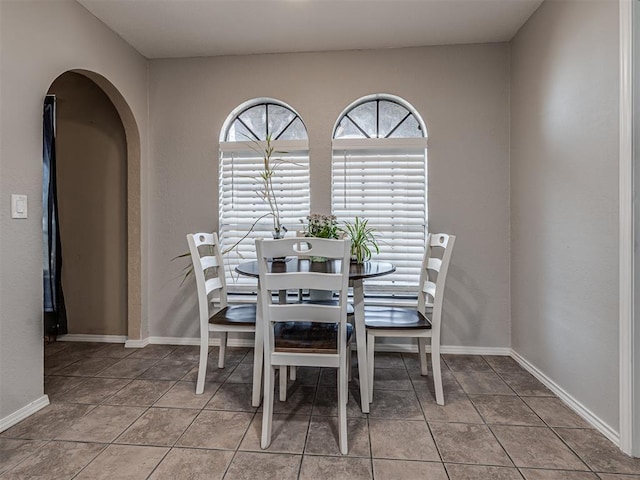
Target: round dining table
<point>358,272</point>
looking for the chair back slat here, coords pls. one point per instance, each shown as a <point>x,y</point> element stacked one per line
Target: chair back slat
<point>203,239</point>
<point>434,264</point>
<point>209,262</point>
<point>439,239</point>
<point>293,280</point>
<point>429,288</point>
<point>213,284</point>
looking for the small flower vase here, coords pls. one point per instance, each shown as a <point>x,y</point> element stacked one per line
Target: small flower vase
<point>278,234</point>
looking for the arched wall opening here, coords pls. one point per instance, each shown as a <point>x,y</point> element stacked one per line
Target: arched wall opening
<point>107,202</point>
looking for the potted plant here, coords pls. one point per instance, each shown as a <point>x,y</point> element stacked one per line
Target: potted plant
<point>322,226</point>
<point>363,239</point>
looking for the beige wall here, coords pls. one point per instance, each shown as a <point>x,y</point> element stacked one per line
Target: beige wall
<point>91,150</point>
<point>564,199</point>
<point>460,91</point>
<point>40,41</point>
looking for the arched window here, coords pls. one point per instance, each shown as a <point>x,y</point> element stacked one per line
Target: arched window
<point>379,172</point>
<point>243,140</point>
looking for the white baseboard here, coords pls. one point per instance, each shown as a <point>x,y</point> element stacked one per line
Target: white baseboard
<point>213,341</point>
<point>80,337</point>
<point>24,412</point>
<point>149,340</point>
<point>380,347</point>
<point>136,343</point>
<point>248,343</point>
<point>571,402</point>
<point>445,349</point>
<point>460,350</point>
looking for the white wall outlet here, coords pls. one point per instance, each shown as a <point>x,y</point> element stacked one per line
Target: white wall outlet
<point>18,206</point>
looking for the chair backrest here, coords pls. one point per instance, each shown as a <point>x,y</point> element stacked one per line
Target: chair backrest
<point>331,275</point>
<point>433,275</point>
<point>208,269</point>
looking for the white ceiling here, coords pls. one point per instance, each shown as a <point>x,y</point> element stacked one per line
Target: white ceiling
<point>187,28</point>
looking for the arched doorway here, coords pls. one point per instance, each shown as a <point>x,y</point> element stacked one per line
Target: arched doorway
<point>99,199</point>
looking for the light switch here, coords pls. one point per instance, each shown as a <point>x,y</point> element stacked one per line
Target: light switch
<point>18,206</point>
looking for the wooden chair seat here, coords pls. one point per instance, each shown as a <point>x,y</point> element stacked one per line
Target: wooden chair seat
<point>308,337</point>
<point>235,315</point>
<point>395,317</point>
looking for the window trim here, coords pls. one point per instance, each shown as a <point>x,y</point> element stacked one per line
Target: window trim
<point>390,145</point>
<point>288,146</point>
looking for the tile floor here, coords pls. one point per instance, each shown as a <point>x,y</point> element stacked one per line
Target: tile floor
<point>119,413</point>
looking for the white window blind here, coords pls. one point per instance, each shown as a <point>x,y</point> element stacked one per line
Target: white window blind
<point>386,184</point>
<point>240,205</point>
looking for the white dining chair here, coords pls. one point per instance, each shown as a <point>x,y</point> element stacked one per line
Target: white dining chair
<point>304,334</point>
<point>422,322</point>
<point>214,312</point>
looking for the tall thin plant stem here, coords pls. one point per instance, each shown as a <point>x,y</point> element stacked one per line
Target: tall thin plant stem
<point>268,193</point>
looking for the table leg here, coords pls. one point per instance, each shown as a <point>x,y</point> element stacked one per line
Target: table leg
<point>361,340</point>
<point>258,355</point>
<point>282,296</point>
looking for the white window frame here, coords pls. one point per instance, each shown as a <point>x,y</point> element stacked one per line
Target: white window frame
<point>235,194</point>
<point>408,257</point>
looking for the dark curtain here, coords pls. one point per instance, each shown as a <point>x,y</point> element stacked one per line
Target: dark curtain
<point>55,318</point>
